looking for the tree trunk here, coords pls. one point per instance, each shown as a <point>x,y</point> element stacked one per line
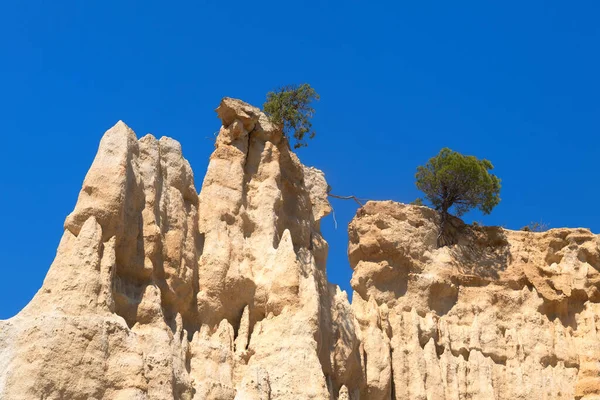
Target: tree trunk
<point>444,237</point>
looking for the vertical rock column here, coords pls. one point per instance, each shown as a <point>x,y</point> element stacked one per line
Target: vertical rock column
<point>158,293</point>
<point>109,321</point>
<point>262,270</point>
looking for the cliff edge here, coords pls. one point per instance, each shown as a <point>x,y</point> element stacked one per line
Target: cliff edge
<point>158,292</point>
<point>501,315</point>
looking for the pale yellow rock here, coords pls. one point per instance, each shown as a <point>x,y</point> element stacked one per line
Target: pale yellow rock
<point>344,394</point>
<point>263,261</point>
<point>255,385</point>
<point>159,293</point>
<point>500,315</point>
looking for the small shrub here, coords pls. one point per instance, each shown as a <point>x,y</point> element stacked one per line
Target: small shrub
<point>289,107</point>
<point>536,227</point>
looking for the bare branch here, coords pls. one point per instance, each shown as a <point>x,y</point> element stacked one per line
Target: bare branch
<point>346,198</point>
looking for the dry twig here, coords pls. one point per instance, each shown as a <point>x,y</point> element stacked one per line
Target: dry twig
<point>346,198</point>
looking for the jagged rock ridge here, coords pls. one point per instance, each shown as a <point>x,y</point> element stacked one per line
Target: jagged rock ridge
<point>158,292</point>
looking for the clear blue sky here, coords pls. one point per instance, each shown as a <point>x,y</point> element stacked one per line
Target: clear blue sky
<point>515,82</point>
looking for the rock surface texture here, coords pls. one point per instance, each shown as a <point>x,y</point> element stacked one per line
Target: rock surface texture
<point>500,315</point>
<point>158,292</point>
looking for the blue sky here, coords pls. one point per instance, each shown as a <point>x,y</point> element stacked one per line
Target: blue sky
<point>515,82</point>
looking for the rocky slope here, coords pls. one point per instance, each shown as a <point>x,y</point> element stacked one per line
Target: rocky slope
<point>158,292</point>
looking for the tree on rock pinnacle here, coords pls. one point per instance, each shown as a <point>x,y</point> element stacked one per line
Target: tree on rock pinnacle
<point>289,107</point>
<point>451,179</point>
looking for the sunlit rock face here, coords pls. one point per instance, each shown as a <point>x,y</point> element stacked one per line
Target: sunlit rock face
<point>158,292</point>
<point>500,315</point>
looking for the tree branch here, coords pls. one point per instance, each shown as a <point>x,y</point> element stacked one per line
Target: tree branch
<point>346,198</point>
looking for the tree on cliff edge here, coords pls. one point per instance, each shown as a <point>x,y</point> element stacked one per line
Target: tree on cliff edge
<point>451,179</point>
<point>289,107</point>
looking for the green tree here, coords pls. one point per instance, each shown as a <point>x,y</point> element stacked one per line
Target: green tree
<point>452,180</point>
<point>290,108</point>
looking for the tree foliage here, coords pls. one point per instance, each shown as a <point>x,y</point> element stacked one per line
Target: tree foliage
<point>452,180</point>
<point>290,107</point>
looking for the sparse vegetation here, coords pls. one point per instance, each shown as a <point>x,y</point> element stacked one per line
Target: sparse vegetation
<point>454,181</point>
<point>536,227</point>
<point>290,107</point>
<point>417,202</point>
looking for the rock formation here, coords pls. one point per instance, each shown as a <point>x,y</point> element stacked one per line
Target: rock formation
<point>158,292</point>
<point>500,315</point>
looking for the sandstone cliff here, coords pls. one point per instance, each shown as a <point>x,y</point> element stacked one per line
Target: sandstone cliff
<point>500,315</point>
<point>158,292</point>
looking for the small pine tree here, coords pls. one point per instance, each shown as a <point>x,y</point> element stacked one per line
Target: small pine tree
<point>289,107</point>
<point>452,180</point>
